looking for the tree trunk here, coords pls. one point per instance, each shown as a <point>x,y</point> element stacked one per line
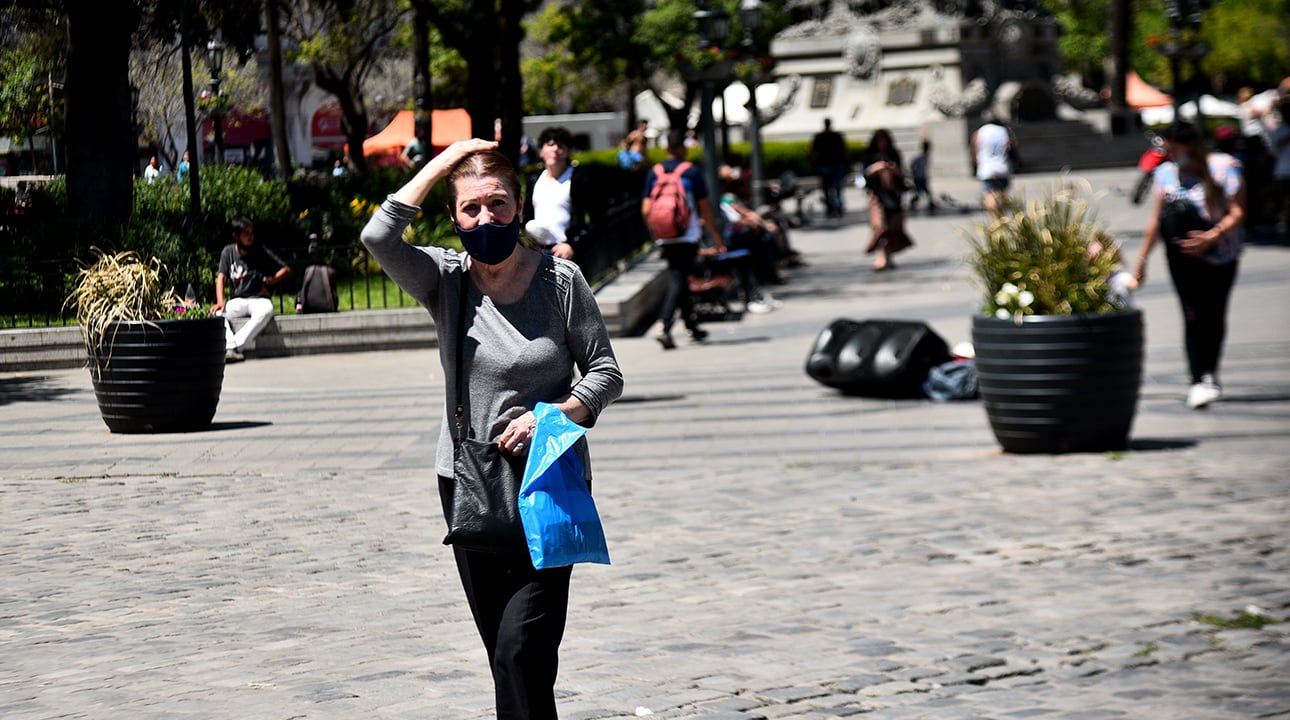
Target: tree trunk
<point>510,89</point>
<point>100,183</point>
<point>481,59</point>
<point>353,114</point>
<point>422,104</point>
<point>481,98</point>
<point>277,105</point>
<point>190,118</point>
<point>677,118</point>
<point>1117,63</point>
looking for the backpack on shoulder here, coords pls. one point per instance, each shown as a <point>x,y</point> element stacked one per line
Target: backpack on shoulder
<point>669,209</point>
<point>318,290</point>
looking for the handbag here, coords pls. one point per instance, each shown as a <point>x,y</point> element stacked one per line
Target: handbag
<point>483,514</point>
<point>1178,216</point>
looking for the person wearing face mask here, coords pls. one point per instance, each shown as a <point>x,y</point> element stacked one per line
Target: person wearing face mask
<point>529,320</point>
<point>1199,212</point>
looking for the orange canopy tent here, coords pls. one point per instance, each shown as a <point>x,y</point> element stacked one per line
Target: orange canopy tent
<point>1138,94</point>
<point>447,127</point>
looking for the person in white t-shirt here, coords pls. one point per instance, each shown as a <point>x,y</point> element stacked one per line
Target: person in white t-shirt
<point>993,152</point>
<point>556,220</point>
<point>152,172</point>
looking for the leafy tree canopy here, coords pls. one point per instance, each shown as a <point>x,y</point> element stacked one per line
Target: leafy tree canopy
<point>1249,40</point>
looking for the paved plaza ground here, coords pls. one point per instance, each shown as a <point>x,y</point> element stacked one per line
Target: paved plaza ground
<point>780,551</point>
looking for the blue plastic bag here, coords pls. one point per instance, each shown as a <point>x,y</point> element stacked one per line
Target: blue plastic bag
<point>560,519</point>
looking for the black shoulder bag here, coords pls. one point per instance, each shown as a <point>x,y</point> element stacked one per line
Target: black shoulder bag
<point>484,513</point>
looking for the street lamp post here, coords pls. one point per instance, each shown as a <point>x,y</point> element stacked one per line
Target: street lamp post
<point>750,14</point>
<point>714,28</point>
<point>215,64</point>
<point>1183,43</point>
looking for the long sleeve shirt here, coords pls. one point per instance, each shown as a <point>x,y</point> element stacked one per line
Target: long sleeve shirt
<point>515,355</point>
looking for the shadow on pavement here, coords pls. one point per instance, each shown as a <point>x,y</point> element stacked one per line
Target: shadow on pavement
<point>647,398</point>
<point>1256,398</point>
<point>737,341</point>
<point>235,425</point>
<point>31,389</point>
<point>1158,444</point>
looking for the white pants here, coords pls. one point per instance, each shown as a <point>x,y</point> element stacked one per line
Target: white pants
<point>259,309</point>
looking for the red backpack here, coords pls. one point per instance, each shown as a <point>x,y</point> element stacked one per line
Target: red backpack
<point>669,209</point>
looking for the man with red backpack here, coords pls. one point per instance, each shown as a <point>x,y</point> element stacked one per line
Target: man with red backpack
<point>675,198</point>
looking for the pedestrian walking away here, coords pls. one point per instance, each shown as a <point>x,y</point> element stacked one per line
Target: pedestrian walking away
<point>1199,212</point>
<point>829,153</point>
<point>521,321</point>
<point>674,199</point>
<point>920,171</point>
<point>995,156</point>
<point>244,284</point>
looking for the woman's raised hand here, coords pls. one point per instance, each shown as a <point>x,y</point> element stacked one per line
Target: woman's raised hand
<point>414,192</point>
<point>458,151</point>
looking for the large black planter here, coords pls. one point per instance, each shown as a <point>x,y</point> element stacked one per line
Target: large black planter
<point>161,376</point>
<point>1060,383</point>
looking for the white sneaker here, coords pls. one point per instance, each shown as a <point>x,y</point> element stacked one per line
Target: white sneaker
<point>771,300</point>
<point>757,307</point>
<point>1203,393</point>
<point>232,356</point>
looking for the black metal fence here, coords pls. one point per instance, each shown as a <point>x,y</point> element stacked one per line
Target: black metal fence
<point>618,232</point>
<point>33,293</point>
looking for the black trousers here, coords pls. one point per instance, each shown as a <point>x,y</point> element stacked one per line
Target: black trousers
<point>1203,291</point>
<point>680,258</point>
<point>520,614</point>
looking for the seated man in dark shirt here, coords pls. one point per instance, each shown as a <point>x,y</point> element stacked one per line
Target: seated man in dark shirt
<point>243,286</point>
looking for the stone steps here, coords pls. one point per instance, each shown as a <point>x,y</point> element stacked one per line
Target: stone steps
<point>1052,146</point>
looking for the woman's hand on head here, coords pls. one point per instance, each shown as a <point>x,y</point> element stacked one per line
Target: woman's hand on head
<point>414,192</point>
<point>458,151</point>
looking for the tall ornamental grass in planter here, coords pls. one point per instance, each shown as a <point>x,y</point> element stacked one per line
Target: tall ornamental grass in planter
<point>157,362</point>
<point>1058,352</point>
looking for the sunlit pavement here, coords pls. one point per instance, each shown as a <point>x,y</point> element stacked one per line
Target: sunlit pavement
<point>780,550</point>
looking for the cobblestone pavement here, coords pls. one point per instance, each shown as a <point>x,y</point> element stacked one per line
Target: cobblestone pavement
<point>780,551</point>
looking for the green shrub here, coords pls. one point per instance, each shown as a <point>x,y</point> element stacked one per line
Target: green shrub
<point>1046,257</point>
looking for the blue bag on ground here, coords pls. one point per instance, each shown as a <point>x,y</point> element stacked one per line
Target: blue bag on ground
<point>954,380</point>
<point>560,519</point>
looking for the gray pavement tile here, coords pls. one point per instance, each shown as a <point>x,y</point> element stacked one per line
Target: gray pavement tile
<point>780,550</point>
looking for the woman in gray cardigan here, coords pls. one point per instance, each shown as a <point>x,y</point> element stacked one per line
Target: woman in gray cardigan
<point>532,320</point>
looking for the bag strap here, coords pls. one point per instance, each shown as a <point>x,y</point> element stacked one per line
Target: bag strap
<point>461,355</point>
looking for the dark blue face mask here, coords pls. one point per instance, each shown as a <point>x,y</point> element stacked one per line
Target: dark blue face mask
<point>490,243</point>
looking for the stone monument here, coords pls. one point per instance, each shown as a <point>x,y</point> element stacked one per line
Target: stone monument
<point>929,69</point>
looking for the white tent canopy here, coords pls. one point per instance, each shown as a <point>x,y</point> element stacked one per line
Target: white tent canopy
<point>736,98</point>
<point>1210,106</point>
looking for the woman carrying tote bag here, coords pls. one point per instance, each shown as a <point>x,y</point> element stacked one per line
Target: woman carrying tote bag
<point>513,324</point>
